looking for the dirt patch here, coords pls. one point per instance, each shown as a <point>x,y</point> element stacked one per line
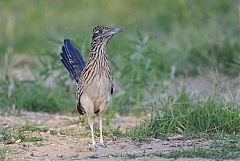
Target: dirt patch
<point>61,146</point>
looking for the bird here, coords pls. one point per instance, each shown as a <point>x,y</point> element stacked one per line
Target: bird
<point>94,79</point>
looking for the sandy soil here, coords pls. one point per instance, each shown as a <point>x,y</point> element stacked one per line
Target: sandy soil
<point>64,147</point>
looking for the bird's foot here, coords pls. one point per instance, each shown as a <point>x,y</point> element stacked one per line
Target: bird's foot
<point>102,144</point>
<point>93,147</point>
<point>114,138</point>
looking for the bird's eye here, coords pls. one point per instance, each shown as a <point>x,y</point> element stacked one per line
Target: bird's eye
<point>98,32</point>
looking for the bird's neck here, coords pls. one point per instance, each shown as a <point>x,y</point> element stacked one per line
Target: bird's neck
<point>98,51</point>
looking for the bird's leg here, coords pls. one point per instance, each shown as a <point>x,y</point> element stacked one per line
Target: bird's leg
<point>101,143</point>
<point>90,121</point>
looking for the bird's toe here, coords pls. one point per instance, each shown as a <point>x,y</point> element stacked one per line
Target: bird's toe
<point>93,147</point>
<point>102,144</point>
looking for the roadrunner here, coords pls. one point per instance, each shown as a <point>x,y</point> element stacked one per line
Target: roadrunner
<point>94,80</point>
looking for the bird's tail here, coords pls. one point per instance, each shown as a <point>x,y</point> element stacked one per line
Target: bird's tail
<point>72,59</point>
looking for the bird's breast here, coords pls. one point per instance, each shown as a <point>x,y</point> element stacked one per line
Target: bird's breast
<point>99,86</point>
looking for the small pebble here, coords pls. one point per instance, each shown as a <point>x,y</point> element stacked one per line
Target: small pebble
<point>18,141</point>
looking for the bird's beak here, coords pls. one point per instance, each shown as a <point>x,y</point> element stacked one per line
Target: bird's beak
<point>116,30</point>
<point>113,31</point>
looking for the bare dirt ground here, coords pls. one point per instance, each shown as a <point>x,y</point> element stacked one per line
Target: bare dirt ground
<point>66,147</point>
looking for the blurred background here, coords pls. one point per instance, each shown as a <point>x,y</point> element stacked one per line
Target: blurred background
<point>167,46</point>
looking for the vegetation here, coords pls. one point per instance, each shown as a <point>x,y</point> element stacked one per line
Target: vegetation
<point>3,152</point>
<point>13,134</point>
<point>163,40</point>
<point>185,115</point>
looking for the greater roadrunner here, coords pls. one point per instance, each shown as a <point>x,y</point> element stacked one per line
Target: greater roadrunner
<point>94,80</point>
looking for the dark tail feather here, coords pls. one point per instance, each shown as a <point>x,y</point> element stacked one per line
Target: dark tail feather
<point>66,63</point>
<point>76,53</point>
<point>72,59</point>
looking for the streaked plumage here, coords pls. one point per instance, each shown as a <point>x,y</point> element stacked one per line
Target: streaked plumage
<point>94,80</point>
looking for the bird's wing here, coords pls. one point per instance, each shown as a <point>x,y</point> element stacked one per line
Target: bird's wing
<point>80,108</point>
<point>72,59</point>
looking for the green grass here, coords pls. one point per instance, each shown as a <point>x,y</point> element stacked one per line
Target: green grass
<point>34,96</point>
<point>28,126</point>
<point>189,115</point>
<point>12,134</point>
<point>3,152</point>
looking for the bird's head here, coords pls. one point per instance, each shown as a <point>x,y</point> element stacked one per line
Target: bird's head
<point>104,33</point>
